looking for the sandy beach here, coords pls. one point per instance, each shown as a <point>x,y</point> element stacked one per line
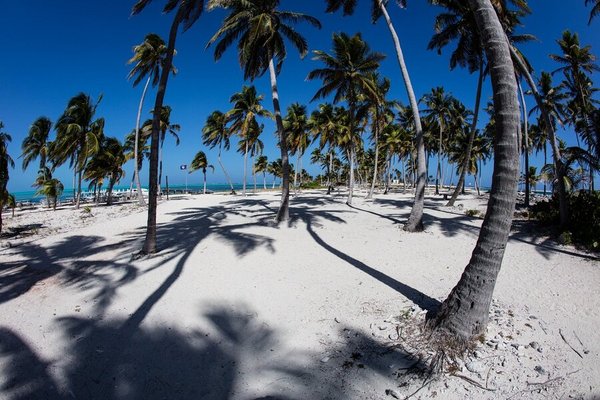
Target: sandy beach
<point>235,308</point>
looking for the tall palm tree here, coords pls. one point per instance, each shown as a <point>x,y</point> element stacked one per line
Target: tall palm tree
<point>324,127</point>
<point>165,126</point>
<point>78,136</point>
<point>260,29</point>
<point>242,119</point>
<point>346,75</point>
<point>142,148</point>
<point>439,110</point>
<point>188,12</point>
<point>200,162</point>
<point>215,133</point>
<point>252,145</point>
<point>595,9</point>
<point>35,145</point>
<point>378,9</point>
<point>464,314</point>
<point>577,62</point>
<point>382,114</point>
<point>6,161</point>
<point>149,58</point>
<point>457,24</point>
<point>262,165</point>
<point>297,130</point>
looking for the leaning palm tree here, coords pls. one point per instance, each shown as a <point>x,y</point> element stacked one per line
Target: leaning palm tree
<point>107,163</point>
<point>149,58</point>
<point>297,129</point>
<point>188,12</point>
<point>260,29</point>
<point>36,145</point>
<point>465,313</point>
<point>78,136</point>
<point>275,168</point>
<point>200,162</point>
<point>242,118</point>
<point>378,9</point>
<point>216,133</point>
<point>165,127</point>
<point>262,165</point>
<point>5,162</point>
<point>346,74</point>
<point>595,9</point>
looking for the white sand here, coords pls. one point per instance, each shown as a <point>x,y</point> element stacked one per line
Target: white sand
<point>236,308</point>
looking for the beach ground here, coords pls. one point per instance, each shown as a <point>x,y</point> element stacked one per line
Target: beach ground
<point>234,307</point>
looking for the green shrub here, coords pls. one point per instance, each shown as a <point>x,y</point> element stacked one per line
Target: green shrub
<point>472,213</point>
<point>584,218</point>
<point>87,209</point>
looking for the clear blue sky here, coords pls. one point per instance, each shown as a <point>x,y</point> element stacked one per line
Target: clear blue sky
<point>52,50</point>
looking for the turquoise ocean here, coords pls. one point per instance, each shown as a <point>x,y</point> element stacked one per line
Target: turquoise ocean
<point>29,195</point>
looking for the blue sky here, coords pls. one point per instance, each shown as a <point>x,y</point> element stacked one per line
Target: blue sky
<point>52,50</point>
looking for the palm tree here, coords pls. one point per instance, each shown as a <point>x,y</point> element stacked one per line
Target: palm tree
<point>275,168</point>
<point>346,74</point>
<point>324,126</point>
<point>165,126</point>
<point>142,148</point>
<point>36,145</point>
<point>78,136</point>
<point>576,63</point>
<point>595,9</point>
<point>242,118</point>
<point>457,24</point>
<point>439,111</point>
<point>252,145</point>
<point>297,129</point>
<point>49,187</point>
<point>107,163</point>
<point>149,58</point>
<point>464,314</point>
<point>381,116</point>
<point>200,162</point>
<point>378,9</point>
<point>5,162</point>
<point>261,28</point>
<point>188,12</point>
<point>216,133</point>
<point>262,165</point>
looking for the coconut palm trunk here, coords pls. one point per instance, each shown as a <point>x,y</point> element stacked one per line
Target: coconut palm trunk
<point>283,214</point>
<point>204,176</point>
<point>438,173</point>
<point>224,171</point>
<point>464,314</point>
<point>150,246</point>
<point>253,175</point>
<point>415,220</point>
<point>370,195</point>
<point>245,167</point>
<point>465,164</point>
<point>525,144</point>
<point>559,167</point>
<point>329,172</point>
<point>264,180</point>
<point>136,171</point>
<point>79,178</point>
<point>296,174</point>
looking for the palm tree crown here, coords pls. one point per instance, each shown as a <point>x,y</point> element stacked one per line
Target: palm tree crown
<point>36,143</point>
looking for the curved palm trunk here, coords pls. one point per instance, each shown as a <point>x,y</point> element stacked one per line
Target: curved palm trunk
<point>254,174</point>
<point>283,214</point>
<point>296,174</point>
<point>464,314</point>
<point>330,172</point>
<point>370,195</point>
<point>150,246</point>
<point>438,173</point>
<point>465,164</point>
<point>525,144</point>
<point>136,171</point>
<point>264,181</point>
<point>351,178</point>
<point>559,167</point>
<point>224,171</point>
<point>245,168</point>
<point>415,220</point>
<point>204,174</point>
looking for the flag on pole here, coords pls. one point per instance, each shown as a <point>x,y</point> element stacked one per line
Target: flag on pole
<point>183,167</point>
